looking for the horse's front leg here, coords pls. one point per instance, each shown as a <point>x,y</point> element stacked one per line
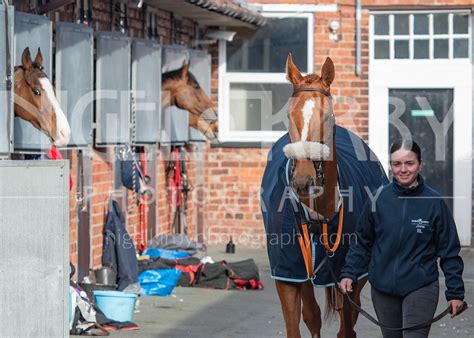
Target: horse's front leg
<point>311,310</point>
<point>348,314</point>
<point>290,300</point>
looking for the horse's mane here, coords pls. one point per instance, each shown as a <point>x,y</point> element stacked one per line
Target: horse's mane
<point>176,75</point>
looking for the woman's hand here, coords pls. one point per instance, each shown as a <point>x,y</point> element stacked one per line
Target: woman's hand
<point>345,285</point>
<point>456,307</point>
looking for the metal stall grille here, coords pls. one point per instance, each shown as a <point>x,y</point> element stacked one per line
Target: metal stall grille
<point>201,69</point>
<point>6,106</point>
<point>174,121</point>
<point>33,31</point>
<point>34,227</point>
<point>146,92</point>
<point>112,89</point>
<point>74,79</point>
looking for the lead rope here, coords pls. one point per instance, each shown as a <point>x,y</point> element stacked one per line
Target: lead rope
<point>376,322</point>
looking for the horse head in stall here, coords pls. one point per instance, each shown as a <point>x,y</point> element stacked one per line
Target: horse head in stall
<point>35,100</point>
<point>317,178</point>
<point>181,89</point>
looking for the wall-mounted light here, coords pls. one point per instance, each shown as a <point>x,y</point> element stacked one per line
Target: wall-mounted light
<point>220,34</point>
<point>334,27</point>
<point>212,36</point>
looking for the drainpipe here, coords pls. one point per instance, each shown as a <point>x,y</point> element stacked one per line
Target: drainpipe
<point>358,37</point>
<point>81,10</point>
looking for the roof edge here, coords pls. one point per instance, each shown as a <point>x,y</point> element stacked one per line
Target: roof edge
<point>231,9</point>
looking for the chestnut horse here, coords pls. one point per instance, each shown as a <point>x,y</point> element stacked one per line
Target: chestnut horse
<point>308,174</point>
<point>35,100</point>
<point>181,89</point>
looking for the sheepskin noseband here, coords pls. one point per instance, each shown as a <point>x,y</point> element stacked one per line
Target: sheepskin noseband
<point>304,150</point>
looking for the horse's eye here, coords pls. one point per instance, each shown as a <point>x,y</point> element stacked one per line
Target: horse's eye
<point>36,91</point>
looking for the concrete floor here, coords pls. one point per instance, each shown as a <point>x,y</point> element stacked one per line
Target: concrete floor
<point>194,312</point>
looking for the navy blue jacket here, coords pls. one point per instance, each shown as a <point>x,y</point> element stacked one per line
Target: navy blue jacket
<point>399,238</point>
<point>118,251</point>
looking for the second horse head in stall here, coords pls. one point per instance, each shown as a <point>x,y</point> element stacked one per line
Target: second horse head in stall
<point>180,88</point>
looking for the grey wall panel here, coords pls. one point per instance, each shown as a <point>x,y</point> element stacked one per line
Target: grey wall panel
<point>33,31</point>
<point>175,121</point>
<point>113,89</point>
<point>34,209</point>
<point>6,108</point>
<point>146,91</point>
<point>201,68</point>
<point>74,79</point>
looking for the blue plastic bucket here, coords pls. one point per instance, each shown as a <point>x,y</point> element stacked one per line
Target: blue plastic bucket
<point>116,305</point>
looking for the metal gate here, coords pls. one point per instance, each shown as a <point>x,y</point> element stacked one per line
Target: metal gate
<point>6,106</point>
<point>74,79</point>
<point>33,31</point>
<point>174,121</point>
<point>113,89</point>
<point>146,92</point>
<point>34,226</point>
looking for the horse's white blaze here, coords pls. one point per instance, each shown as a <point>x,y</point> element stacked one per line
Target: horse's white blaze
<point>305,149</point>
<point>63,130</point>
<point>307,112</point>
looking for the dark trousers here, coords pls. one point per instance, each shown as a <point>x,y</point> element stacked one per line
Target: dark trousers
<point>417,307</point>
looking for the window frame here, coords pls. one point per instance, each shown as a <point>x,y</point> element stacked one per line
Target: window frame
<point>411,37</point>
<point>228,78</point>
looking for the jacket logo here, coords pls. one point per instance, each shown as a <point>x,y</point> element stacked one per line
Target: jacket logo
<point>420,225</point>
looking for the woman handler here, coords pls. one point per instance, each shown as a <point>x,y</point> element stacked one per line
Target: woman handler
<point>399,238</point>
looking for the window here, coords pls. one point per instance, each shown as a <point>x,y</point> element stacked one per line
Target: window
<point>254,90</point>
<point>443,35</point>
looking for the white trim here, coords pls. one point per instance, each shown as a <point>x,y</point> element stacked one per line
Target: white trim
<point>291,8</point>
<point>222,117</point>
<point>225,79</point>
<point>415,11</point>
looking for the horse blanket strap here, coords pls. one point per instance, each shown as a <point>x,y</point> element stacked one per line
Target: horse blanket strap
<point>376,322</point>
<point>324,235</point>
<point>305,245</point>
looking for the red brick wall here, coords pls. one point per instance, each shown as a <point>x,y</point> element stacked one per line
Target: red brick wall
<point>233,196</point>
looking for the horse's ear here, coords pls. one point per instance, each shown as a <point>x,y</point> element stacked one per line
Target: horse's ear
<point>26,59</point>
<point>39,58</point>
<point>328,72</point>
<point>292,72</point>
<point>185,71</point>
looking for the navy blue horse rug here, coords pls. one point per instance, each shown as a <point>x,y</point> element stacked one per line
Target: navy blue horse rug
<point>360,174</point>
